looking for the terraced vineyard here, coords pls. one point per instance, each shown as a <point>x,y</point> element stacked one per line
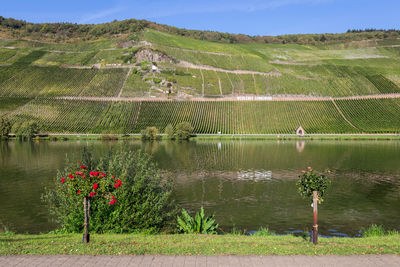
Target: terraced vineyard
<point>373,115</point>
<point>212,117</point>
<point>32,81</point>
<point>115,81</point>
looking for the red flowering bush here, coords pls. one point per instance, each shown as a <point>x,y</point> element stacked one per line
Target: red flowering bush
<point>126,191</point>
<point>92,184</point>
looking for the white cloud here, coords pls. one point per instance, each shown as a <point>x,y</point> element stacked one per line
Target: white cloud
<point>91,18</point>
<point>157,9</point>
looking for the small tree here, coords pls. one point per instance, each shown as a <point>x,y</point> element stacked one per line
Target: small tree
<point>184,130</point>
<point>26,130</point>
<point>150,133</point>
<point>169,131</point>
<point>5,127</point>
<point>313,186</point>
<point>91,185</point>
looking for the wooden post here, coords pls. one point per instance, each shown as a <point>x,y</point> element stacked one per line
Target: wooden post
<point>86,208</point>
<point>315,225</point>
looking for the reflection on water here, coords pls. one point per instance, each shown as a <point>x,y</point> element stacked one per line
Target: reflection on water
<point>247,184</point>
<point>254,175</point>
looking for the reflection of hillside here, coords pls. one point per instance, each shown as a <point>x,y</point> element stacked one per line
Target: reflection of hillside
<point>246,183</point>
<point>277,156</point>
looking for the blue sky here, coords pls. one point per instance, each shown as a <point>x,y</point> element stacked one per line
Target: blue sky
<point>254,17</point>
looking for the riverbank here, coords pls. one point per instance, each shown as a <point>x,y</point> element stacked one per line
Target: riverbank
<point>110,137</point>
<point>138,244</point>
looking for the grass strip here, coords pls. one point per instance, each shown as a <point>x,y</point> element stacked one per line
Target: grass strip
<point>138,244</point>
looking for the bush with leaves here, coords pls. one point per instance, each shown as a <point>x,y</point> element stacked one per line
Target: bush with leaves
<point>144,202</point>
<point>170,132</point>
<point>313,186</point>
<point>310,181</point>
<point>5,127</point>
<point>26,130</point>
<point>183,130</point>
<point>150,133</point>
<point>199,224</point>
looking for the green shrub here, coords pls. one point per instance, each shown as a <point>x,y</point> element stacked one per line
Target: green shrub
<point>150,133</point>
<point>157,80</point>
<point>143,203</point>
<point>184,130</point>
<point>310,181</point>
<point>26,130</point>
<point>167,72</point>
<point>5,127</point>
<point>145,65</point>
<point>199,224</point>
<point>169,131</point>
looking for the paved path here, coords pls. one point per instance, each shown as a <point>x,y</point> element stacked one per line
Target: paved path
<point>228,261</point>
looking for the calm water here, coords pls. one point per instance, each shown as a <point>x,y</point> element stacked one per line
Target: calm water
<point>247,184</point>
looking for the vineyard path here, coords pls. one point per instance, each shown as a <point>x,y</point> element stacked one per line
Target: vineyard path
<point>343,116</point>
<point>230,98</point>
<point>123,84</point>
<point>189,65</point>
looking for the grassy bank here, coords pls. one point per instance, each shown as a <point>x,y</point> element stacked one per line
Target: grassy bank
<point>295,137</point>
<point>110,137</point>
<point>136,244</point>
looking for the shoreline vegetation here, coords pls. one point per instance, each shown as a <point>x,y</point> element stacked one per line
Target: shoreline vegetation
<point>308,137</point>
<point>192,244</point>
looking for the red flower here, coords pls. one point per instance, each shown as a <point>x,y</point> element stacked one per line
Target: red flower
<point>118,183</point>
<point>83,167</point>
<point>71,176</point>
<point>104,175</point>
<point>62,180</point>
<point>303,171</point>
<point>113,176</point>
<point>92,194</point>
<point>95,186</point>
<point>95,173</point>
<point>309,168</point>
<point>112,202</point>
<point>79,191</point>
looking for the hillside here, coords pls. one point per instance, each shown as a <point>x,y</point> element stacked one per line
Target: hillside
<point>126,82</point>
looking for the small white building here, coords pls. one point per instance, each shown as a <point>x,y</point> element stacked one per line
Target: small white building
<point>154,68</point>
<point>300,131</point>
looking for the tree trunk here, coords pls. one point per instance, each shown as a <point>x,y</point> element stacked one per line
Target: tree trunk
<point>315,225</point>
<point>86,208</point>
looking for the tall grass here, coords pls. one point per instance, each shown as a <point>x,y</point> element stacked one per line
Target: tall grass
<point>377,230</point>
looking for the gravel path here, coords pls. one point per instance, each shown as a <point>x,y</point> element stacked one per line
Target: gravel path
<point>231,261</point>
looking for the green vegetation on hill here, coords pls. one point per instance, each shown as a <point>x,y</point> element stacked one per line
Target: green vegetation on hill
<point>70,31</point>
<point>214,69</point>
<point>39,63</point>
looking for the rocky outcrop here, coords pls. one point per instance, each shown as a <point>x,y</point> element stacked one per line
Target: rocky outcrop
<point>152,56</point>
